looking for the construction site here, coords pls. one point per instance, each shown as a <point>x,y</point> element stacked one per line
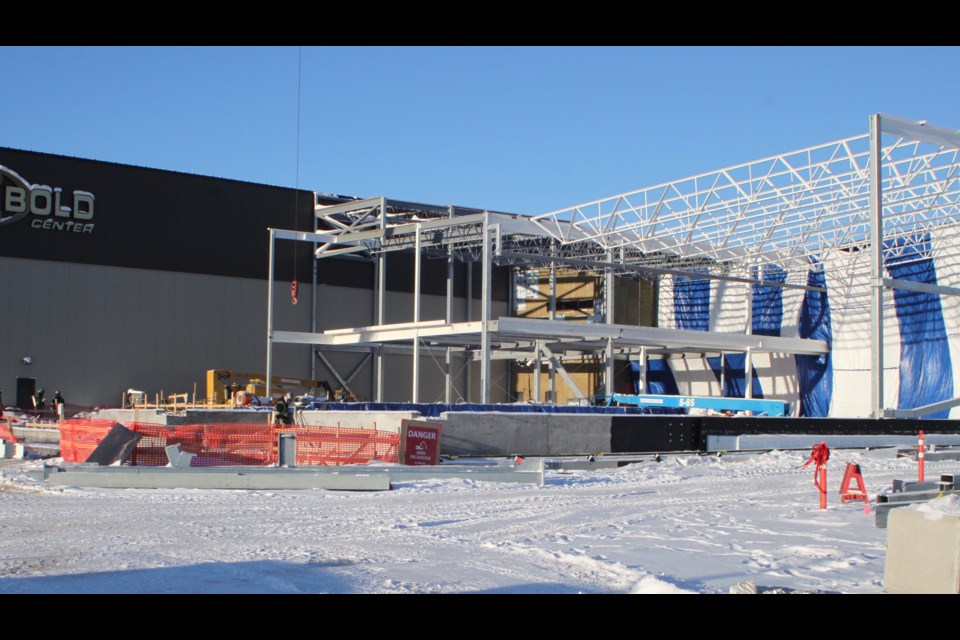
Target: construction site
<point>766,297</point>
<point>179,332</point>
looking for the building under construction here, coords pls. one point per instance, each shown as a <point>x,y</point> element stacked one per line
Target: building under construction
<point>805,278</point>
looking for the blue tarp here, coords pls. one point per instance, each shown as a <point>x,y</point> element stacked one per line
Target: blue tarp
<point>691,303</point>
<point>735,378</point>
<point>434,410</point>
<point>768,303</point>
<point>815,373</point>
<point>660,381</point>
<point>926,372</point>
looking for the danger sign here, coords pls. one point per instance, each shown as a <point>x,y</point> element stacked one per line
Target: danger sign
<point>419,442</point>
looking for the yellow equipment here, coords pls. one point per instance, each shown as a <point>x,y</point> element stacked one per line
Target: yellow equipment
<point>222,384</point>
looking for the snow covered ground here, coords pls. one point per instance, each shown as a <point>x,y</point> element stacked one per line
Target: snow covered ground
<point>686,525</point>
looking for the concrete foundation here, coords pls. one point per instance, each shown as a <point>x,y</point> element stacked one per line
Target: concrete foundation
<point>36,435</point>
<point>923,552</point>
<point>380,420</point>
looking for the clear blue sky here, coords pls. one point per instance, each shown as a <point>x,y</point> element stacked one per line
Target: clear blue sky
<point>524,130</point>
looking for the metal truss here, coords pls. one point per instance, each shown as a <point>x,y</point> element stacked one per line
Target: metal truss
<point>779,210</point>
<point>846,206</point>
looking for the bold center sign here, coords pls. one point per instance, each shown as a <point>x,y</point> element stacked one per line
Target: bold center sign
<point>49,208</point>
<point>419,442</point>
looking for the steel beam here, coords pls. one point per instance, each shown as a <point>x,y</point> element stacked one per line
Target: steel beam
<point>342,478</point>
<point>336,374</point>
<point>558,366</point>
<point>891,283</point>
<point>918,412</point>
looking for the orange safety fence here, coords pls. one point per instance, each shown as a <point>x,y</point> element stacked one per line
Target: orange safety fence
<point>229,444</point>
<point>6,430</point>
<point>78,438</point>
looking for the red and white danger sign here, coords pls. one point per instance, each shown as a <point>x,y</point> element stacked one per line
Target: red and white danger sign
<point>419,442</point>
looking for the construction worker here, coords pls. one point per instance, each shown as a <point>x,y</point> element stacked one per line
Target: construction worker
<point>38,402</point>
<point>58,404</point>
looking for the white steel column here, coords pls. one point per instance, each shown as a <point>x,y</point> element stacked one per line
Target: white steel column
<point>448,360</point>
<point>381,276</point>
<point>485,313</point>
<point>723,374</point>
<point>876,271</point>
<point>536,371</point>
<point>643,370</point>
<point>748,359</point>
<point>553,316</point>
<point>313,296</point>
<point>608,300</point>
<point>468,363</point>
<point>416,317</point>
<point>269,386</point>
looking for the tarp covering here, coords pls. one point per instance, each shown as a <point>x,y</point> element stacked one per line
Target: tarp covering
<point>660,381</point>
<point>691,303</point>
<point>926,373</point>
<point>434,410</point>
<point>768,302</point>
<point>735,378</point>
<point>815,373</point>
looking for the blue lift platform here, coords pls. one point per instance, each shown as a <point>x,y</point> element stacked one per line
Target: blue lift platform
<point>756,407</point>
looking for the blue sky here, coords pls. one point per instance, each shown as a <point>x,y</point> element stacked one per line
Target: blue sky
<point>524,130</point>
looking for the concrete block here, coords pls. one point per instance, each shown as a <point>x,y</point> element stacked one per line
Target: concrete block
<point>12,450</point>
<point>218,416</point>
<point>923,548</point>
<point>380,420</point>
<point>126,416</point>
<point>48,435</point>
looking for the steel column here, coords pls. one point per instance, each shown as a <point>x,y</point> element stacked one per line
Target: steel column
<point>469,364</point>
<point>748,374</point>
<point>269,386</point>
<point>723,374</point>
<point>416,317</point>
<point>553,316</point>
<point>876,271</point>
<point>608,303</point>
<point>381,289</point>
<point>485,313</point>
<point>643,370</point>
<point>448,359</point>
<point>537,366</point>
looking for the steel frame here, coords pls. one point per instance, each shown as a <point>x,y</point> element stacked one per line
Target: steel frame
<point>852,194</point>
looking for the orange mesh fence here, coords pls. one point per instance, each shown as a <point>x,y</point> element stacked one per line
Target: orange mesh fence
<point>331,446</point>
<point>78,438</point>
<point>229,444</point>
<point>6,431</point>
<point>154,438</point>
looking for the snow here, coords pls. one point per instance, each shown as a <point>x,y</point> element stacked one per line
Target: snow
<point>690,524</point>
<point>939,507</point>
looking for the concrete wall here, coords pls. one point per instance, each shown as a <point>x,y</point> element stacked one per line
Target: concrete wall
<point>93,331</point>
<point>493,433</point>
